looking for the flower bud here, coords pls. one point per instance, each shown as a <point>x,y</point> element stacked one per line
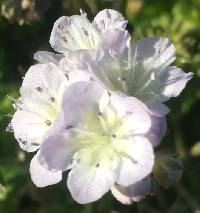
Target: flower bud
<point>168,169</point>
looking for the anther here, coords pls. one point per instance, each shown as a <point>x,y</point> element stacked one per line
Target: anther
<point>97,165</point>
<point>85,31</point>
<point>48,122</point>
<point>114,136</point>
<point>123,79</point>
<point>35,144</point>
<point>69,127</point>
<point>67,76</point>
<point>39,89</point>
<point>99,113</point>
<point>52,99</point>
<point>23,142</point>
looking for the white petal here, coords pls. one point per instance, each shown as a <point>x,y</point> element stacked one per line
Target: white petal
<point>78,75</point>
<point>73,33</point>
<point>39,105</point>
<point>157,131</point>
<point>137,163</point>
<point>155,52</point>
<point>42,177</point>
<point>29,130</point>
<point>57,151</point>
<point>80,97</point>
<point>173,81</point>
<point>88,184</point>
<point>46,57</point>
<point>132,193</point>
<point>42,89</point>
<point>46,75</point>
<point>157,108</point>
<point>115,42</point>
<point>168,82</point>
<point>73,60</point>
<point>138,120</point>
<point>108,19</point>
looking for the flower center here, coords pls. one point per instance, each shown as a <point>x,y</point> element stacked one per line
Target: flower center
<point>101,136</point>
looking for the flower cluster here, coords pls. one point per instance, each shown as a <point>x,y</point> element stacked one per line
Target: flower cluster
<point>96,108</point>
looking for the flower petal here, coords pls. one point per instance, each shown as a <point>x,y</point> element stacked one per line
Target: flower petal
<point>157,108</point>
<point>73,33</point>
<point>80,97</point>
<point>42,89</point>
<point>115,42</point>
<point>73,60</point>
<point>56,152</point>
<point>39,104</point>
<point>157,131</point>
<point>137,163</point>
<point>132,193</point>
<point>173,81</point>
<point>138,120</point>
<point>42,177</point>
<point>28,129</point>
<point>154,52</point>
<point>46,57</point>
<point>88,184</point>
<point>107,20</point>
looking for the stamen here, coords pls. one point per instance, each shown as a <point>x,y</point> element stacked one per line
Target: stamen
<point>85,31</point>
<point>35,144</point>
<point>99,113</point>
<point>69,127</point>
<point>23,142</point>
<point>97,165</point>
<point>15,104</point>
<point>48,122</point>
<point>52,99</point>
<point>39,89</point>
<point>114,136</point>
<point>9,128</point>
<point>67,76</point>
<point>123,79</point>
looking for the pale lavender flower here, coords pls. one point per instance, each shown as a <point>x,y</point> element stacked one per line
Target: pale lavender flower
<point>142,70</point>
<point>78,33</point>
<point>37,110</point>
<point>101,138</point>
<point>105,126</point>
<point>39,105</point>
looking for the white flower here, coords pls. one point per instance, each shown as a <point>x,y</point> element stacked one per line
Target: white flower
<point>143,70</point>
<point>78,33</point>
<point>101,138</point>
<point>38,108</point>
<point>39,105</point>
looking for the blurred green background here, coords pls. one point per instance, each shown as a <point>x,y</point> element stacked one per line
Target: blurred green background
<point>25,27</point>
